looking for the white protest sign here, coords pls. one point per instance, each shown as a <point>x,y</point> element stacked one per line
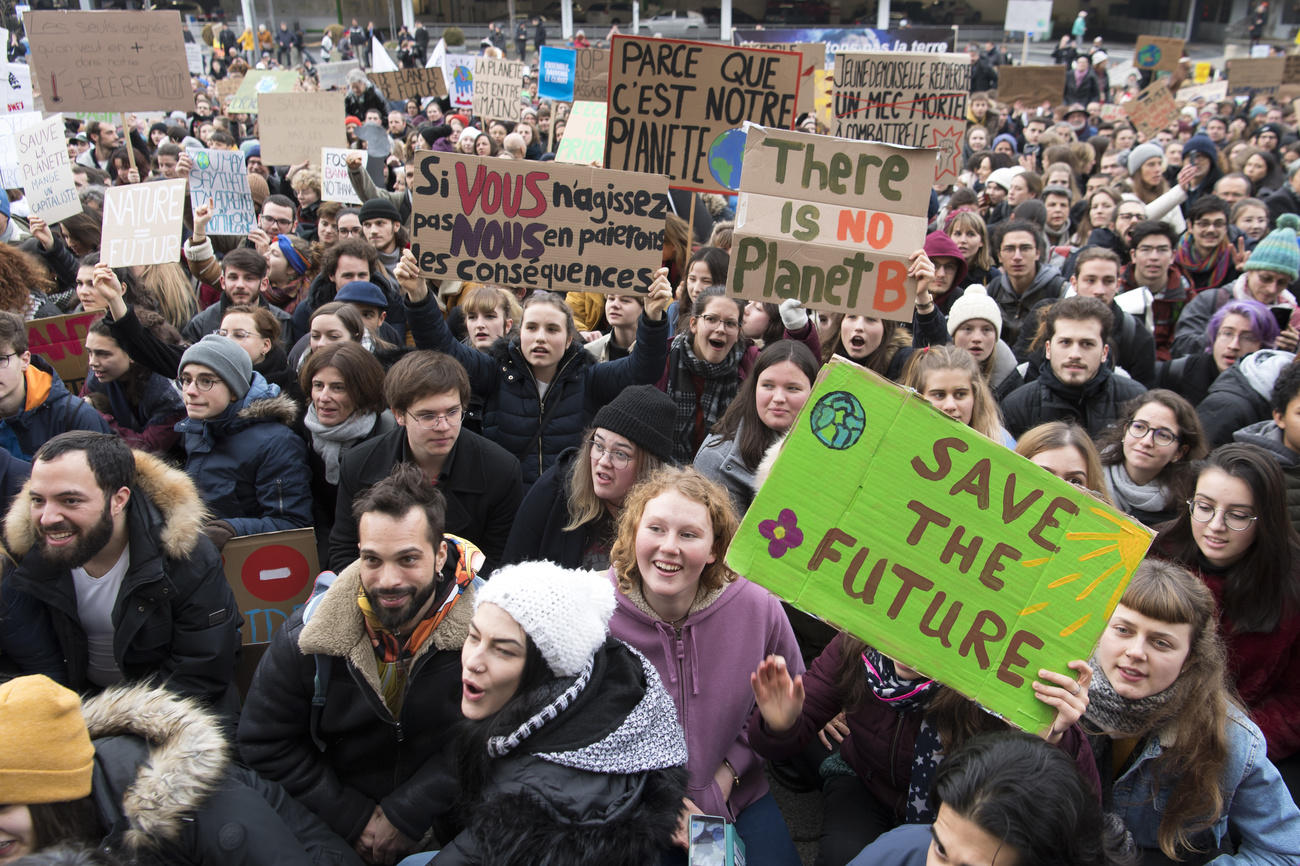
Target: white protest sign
<point>1029,16</point>
<point>142,223</point>
<point>334,182</point>
<point>46,171</point>
<point>379,59</point>
<point>458,73</point>
<point>194,57</point>
<point>10,124</point>
<point>16,88</point>
<point>221,175</point>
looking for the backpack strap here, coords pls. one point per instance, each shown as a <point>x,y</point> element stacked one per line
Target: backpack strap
<point>324,663</point>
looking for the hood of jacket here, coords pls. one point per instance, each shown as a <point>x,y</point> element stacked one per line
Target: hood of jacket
<point>1260,369</point>
<point>170,490</point>
<point>187,757</point>
<point>939,244</point>
<point>1268,436</point>
<point>1004,363</point>
<point>263,404</point>
<point>43,386</point>
<point>1000,288</point>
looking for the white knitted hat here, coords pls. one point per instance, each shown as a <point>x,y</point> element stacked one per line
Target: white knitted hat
<point>565,611</point>
<point>974,303</point>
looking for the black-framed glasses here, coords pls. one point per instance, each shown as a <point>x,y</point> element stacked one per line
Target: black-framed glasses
<point>1162,435</point>
<point>1203,512</point>
<point>203,383</point>
<point>4,359</point>
<point>430,420</point>
<point>617,456</point>
<point>714,321</point>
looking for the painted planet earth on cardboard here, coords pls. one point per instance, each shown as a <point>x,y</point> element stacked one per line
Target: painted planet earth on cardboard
<point>726,156</point>
<point>1149,56</point>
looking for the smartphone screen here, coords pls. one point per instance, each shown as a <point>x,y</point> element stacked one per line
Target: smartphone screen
<point>1282,313</point>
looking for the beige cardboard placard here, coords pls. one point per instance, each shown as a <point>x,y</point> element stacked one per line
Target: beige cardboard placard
<point>227,88</point>
<point>1214,91</point>
<point>257,83</point>
<point>271,576</point>
<point>537,225</point>
<point>591,78</point>
<point>293,127</point>
<point>814,58</point>
<point>1157,53</point>
<point>142,223</point>
<point>410,83</point>
<point>497,84</point>
<point>50,191</point>
<point>1032,85</point>
<point>1153,110</point>
<point>802,230</point>
<point>61,340</point>
<point>915,99</point>
<point>1255,73</point>
<point>675,107</point>
<point>584,135</point>
<point>1291,69</point>
<point>110,61</point>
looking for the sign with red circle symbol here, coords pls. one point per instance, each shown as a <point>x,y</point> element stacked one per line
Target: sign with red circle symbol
<point>275,573</point>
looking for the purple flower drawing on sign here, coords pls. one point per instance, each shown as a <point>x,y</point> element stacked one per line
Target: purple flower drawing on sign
<point>782,534</point>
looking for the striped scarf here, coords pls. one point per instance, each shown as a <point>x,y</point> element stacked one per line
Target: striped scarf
<point>701,390</point>
<point>1215,264</point>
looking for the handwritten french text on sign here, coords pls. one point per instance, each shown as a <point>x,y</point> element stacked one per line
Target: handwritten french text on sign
<point>294,126</point>
<point>497,85</point>
<point>221,175</point>
<point>257,83</point>
<point>271,576</point>
<point>1291,69</point>
<point>410,83</point>
<point>803,229</point>
<point>675,107</point>
<point>592,76</point>
<point>1032,85</point>
<point>114,61</point>
<point>1255,73</point>
<point>943,549</point>
<point>537,225</point>
<point>46,171</point>
<point>1213,91</point>
<point>10,125</point>
<point>1158,53</point>
<point>61,340</point>
<point>556,70</point>
<point>584,135</point>
<point>909,98</point>
<point>142,223</point>
<point>335,185</point>
<point>1153,110</point>
<point>814,58</point>
<point>458,73</point>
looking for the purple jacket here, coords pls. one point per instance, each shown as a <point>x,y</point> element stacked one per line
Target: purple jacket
<point>706,669</point>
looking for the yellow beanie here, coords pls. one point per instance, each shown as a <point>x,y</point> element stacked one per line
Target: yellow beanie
<point>45,750</point>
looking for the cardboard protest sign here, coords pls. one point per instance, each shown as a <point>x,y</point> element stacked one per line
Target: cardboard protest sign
<point>221,175</point>
<point>116,61</point>
<point>61,340</point>
<point>909,98</point>
<point>537,225</point>
<point>1028,16</point>
<point>334,74</point>
<point>1214,91</point>
<point>557,70</point>
<point>48,187</point>
<point>497,85</point>
<point>1111,112</point>
<point>591,75</point>
<point>271,576</point>
<point>142,223</point>
<point>10,124</point>
<point>1259,74</point>
<point>194,58</point>
<point>1153,110</point>
<point>814,58</point>
<point>1291,69</point>
<point>675,107</point>
<point>944,550</point>
<point>380,59</point>
<point>1158,53</point>
<point>334,182</point>
<point>293,126</point>
<point>1032,85</point>
<point>410,83</point>
<point>257,83</point>
<point>802,230</point>
<point>458,73</point>
<point>16,88</point>
<point>584,135</point>
<point>227,88</point>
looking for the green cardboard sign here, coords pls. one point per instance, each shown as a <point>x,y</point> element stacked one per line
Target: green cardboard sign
<point>943,549</point>
<point>257,82</point>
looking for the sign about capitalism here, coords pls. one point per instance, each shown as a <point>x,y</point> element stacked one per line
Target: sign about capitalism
<point>335,185</point>
<point>48,187</point>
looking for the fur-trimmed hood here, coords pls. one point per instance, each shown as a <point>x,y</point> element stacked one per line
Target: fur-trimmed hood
<point>187,758</point>
<point>263,404</point>
<point>167,489</point>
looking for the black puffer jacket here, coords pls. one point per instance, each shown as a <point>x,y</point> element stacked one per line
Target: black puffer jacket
<point>1094,405</point>
<point>1240,396</point>
<point>538,531</point>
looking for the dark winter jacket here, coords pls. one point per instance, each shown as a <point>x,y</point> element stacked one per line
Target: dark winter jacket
<point>1094,406</point>
<point>1083,91</point>
<point>176,619</point>
<point>150,423</point>
<point>50,409</point>
<point>1048,284</point>
<point>1283,200</point>
<point>532,428</point>
<point>602,782</point>
<point>1268,435</point>
<point>480,482</point>
<point>1133,349</point>
<point>249,465</point>
<point>1189,376</point>
<point>538,531</point>
<point>1240,396</point>
<point>167,791</point>
<point>357,106</point>
<point>1191,333</point>
<point>322,290</point>
<point>352,754</point>
<point>207,321</point>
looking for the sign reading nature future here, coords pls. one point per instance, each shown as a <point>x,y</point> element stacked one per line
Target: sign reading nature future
<point>943,549</point>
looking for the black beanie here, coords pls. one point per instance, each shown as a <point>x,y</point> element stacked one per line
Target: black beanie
<point>644,416</point>
<point>379,209</point>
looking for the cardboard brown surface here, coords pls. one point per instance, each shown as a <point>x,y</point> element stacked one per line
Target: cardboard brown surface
<point>110,61</point>
<point>1157,53</point>
<point>591,80</point>
<point>293,127</point>
<point>1291,69</point>
<point>537,225</point>
<point>271,576</point>
<point>497,84</point>
<point>410,83</point>
<point>1255,73</point>
<point>61,340</point>
<point>1033,85</point>
<point>227,88</point>
<point>142,223</point>
<point>1213,91</point>
<point>914,99</point>
<point>814,58</point>
<point>1153,110</point>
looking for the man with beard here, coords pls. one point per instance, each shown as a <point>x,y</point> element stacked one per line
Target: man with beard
<point>114,580</point>
<point>351,710</point>
<point>244,274</point>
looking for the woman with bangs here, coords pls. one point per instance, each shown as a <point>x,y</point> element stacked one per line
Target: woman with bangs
<point>971,235</point>
<point>336,322</point>
<point>1066,451</point>
<point>621,313</point>
<point>705,267</point>
<point>491,313</point>
<point>950,380</point>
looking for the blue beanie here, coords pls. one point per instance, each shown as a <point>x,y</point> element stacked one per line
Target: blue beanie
<point>1278,251</point>
<point>1201,144</point>
<point>1011,139</point>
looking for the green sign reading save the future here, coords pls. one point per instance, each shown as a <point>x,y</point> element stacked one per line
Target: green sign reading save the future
<point>944,550</point>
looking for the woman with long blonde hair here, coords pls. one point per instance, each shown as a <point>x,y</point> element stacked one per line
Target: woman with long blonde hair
<point>951,381</point>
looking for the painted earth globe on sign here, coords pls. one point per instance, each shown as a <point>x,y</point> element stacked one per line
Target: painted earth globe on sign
<point>838,420</point>
<point>1148,56</point>
<point>725,157</point>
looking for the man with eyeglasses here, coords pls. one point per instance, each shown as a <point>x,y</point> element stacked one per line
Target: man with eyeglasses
<point>1205,255</point>
<point>428,393</point>
<point>244,273</point>
<point>1152,268</point>
<point>1024,280</point>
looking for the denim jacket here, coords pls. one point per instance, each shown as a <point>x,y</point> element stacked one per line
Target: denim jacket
<point>1256,802</point>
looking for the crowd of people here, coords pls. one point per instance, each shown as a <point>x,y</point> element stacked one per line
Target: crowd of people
<point>528,647</point>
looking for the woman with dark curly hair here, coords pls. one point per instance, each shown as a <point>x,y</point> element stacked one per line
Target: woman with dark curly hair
<point>25,285</point>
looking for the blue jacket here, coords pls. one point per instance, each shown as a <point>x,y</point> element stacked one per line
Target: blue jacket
<point>513,410</point>
<point>51,409</point>
<point>250,467</point>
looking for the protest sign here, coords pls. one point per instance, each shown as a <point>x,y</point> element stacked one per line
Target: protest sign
<point>591,75</point>
<point>10,124</point>
<point>802,230</point>
<point>1111,112</point>
<point>913,99</point>
<point>824,97</point>
<point>497,85</point>
<point>458,73</point>
<point>293,126</point>
<point>410,83</point>
<point>259,82</point>
<point>1032,85</point>
<point>1213,91</point>
<point>537,225</point>
<point>334,74</point>
<point>334,182</point>
<point>271,576</point>
<point>1153,110</point>
<point>61,340</point>
<point>1291,69</point>
<point>16,88</point>
<point>938,40</point>
<point>814,58</point>
<point>1201,71</point>
<point>227,88</point>
<point>380,59</point>
<point>1158,53</point>
<point>48,187</point>
<point>944,550</point>
<point>142,223</point>
<point>1028,16</point>
<point>584,135</point>
<point>1258,74</point>
<point>115,61</point>
<point>557,71</point>
<point>675,107</point>
<point>221,175</point>
<point>194,58</point>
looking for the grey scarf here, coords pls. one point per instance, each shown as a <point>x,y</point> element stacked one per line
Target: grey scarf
<point>1130,495</point>
<point>328,442</point>
<point>1109,713</point>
